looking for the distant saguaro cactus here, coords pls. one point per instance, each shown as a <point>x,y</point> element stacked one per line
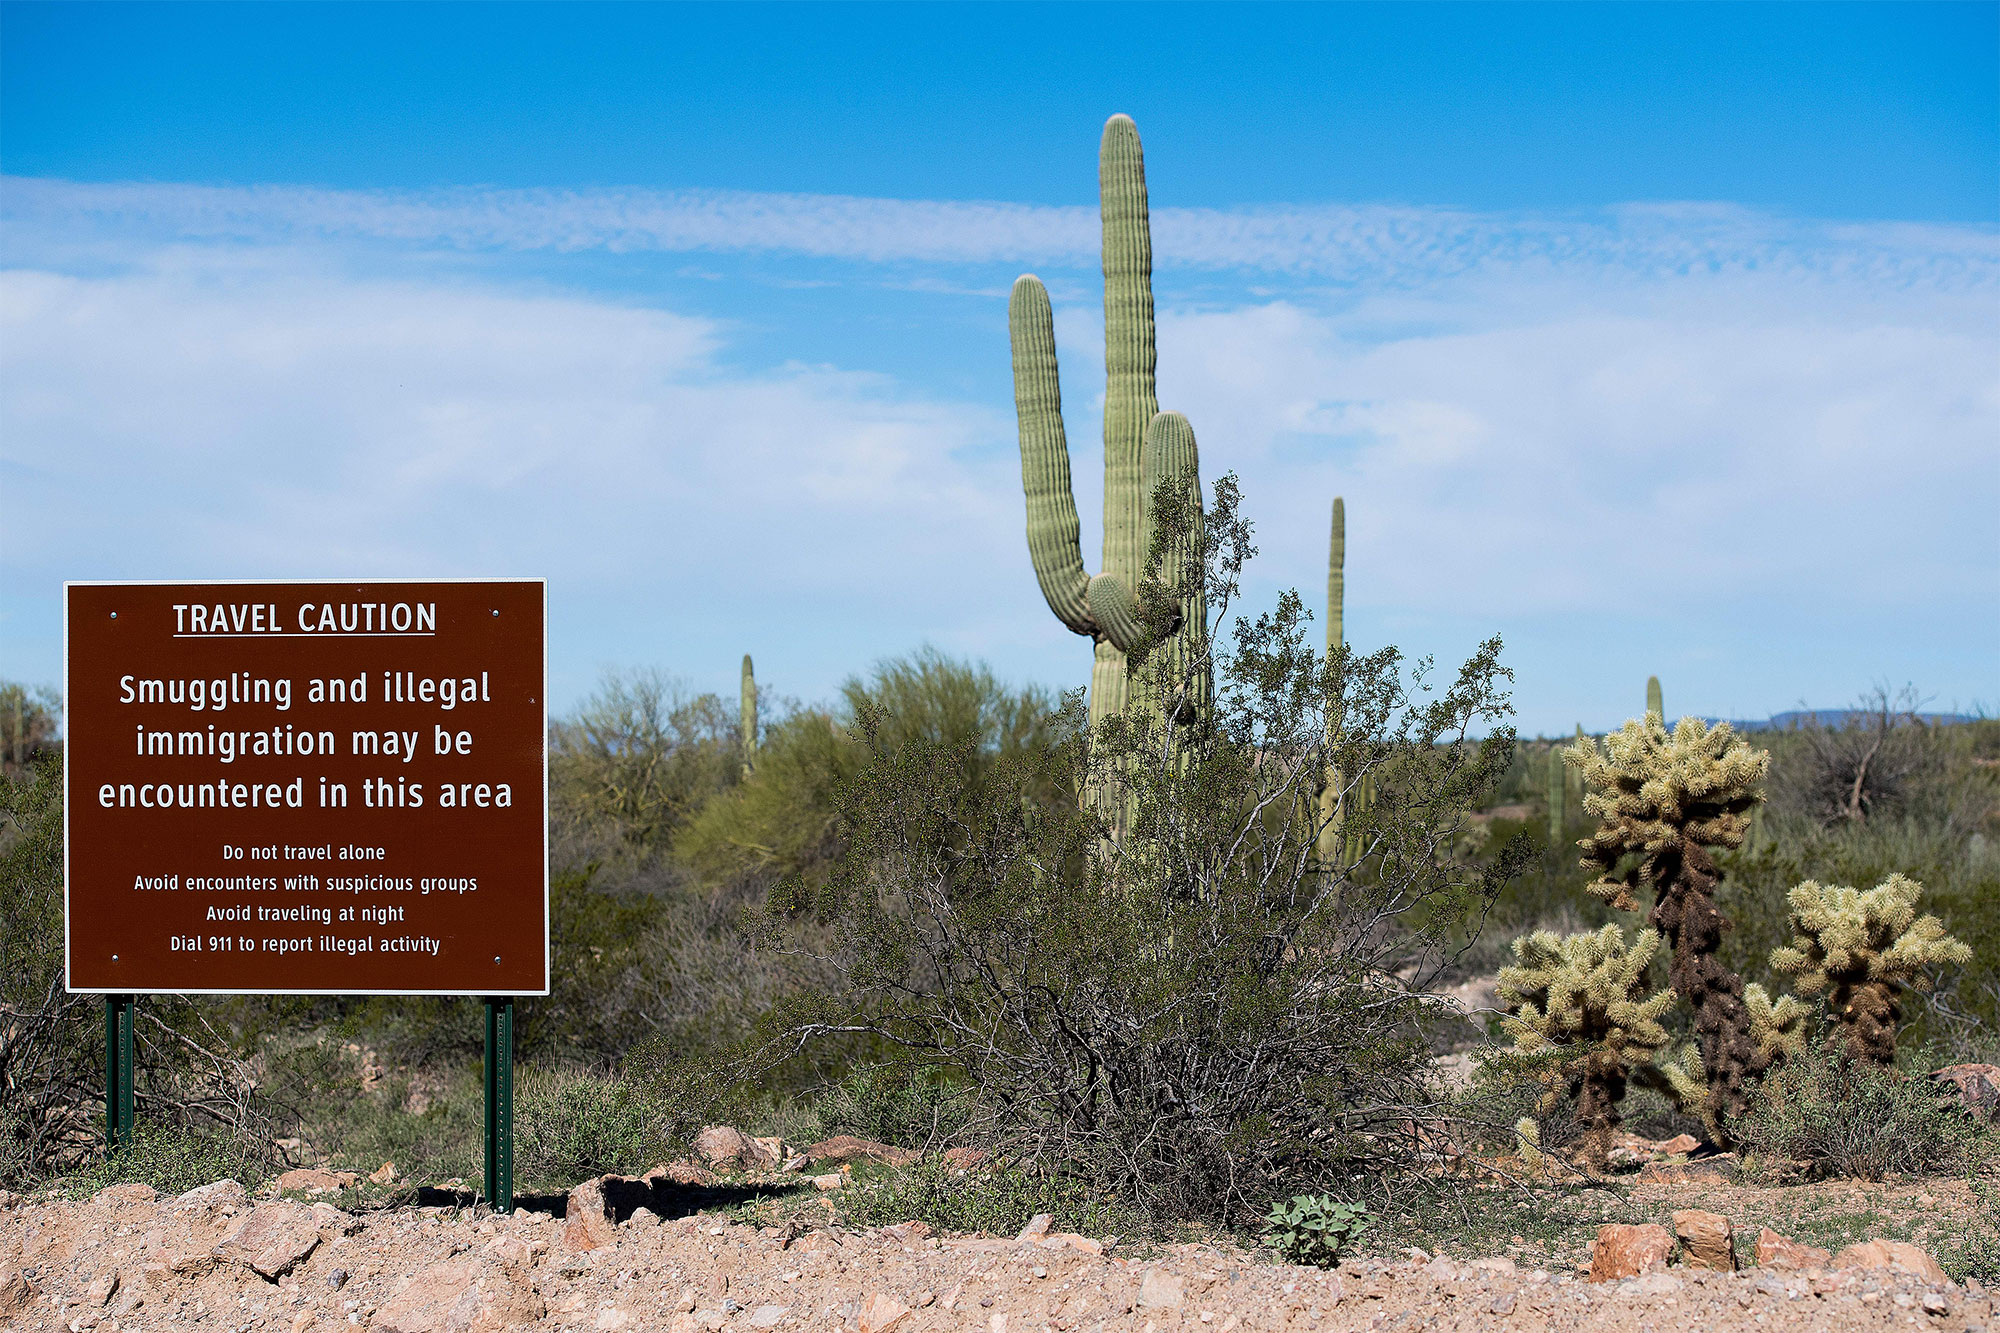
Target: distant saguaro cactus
<point>1143,447</point>
<point>749,718</point>
<point>1332,799</point>
<point>1654,703</point>
<point>1664,800</point>
<point>1558,794</point>
<point>1863,950</point>
<point>1585,996</point>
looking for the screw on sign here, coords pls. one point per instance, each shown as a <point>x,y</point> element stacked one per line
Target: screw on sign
<point>329,788</point>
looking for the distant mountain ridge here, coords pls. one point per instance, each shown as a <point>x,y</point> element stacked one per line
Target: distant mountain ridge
<point>1832,717</point>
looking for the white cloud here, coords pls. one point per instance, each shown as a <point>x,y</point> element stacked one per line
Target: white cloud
<point>1377,244</point>
<point>1756,456</point>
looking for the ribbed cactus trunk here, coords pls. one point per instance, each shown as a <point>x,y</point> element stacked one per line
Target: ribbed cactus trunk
<point>749,717</point>
<point>1653,703</point>
<point>1332,802</point>
<point>1142,446</point>
<point>1558,796</point>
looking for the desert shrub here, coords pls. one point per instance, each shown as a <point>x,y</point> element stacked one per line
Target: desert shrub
<point>1974,1253</point>
<point>996,1201</point>
<point>175,1158</point>
<point>1314,1229</point>
<point>886,1103</point>
<point>571,1124</point>
<point>639,757</point>
<point>30,716</point>
<point>193,1070</point>
<point>1868,763</point>
<point>1161,989</point>
<point>1832,1115</point>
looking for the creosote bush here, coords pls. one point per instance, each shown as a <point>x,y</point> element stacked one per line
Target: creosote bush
<point>1161,991</point>
<point>1831,1114</point>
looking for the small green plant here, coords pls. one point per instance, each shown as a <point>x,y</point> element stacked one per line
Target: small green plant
<point>1315,1229</point>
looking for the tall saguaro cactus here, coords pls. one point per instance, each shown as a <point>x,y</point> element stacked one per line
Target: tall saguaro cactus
<point>749,719</point>
<point>1142,445</point>
<point>1654,702</point>
<point>1332,802</point>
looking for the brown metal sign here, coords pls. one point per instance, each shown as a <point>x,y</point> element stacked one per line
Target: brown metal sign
<point>307,787</point>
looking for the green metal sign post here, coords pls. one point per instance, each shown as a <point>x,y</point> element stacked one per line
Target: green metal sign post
<point>117,1073</point>
<point>500,1103</point>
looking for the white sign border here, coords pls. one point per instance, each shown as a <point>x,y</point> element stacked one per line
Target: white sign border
<point>548,936</point>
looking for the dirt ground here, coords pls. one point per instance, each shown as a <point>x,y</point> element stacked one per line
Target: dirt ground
<point>218,1259</point>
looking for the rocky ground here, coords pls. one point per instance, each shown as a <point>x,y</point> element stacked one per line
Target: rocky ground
<point>615,1256</point>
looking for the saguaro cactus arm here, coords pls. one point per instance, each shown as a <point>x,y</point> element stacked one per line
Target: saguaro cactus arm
<point>1054,534</point>
<point>1654,704</point>
<point>1103,606</point>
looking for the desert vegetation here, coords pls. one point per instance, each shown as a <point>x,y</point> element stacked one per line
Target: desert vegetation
<point>1262,935</point>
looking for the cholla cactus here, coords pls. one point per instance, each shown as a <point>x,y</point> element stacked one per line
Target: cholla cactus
<point>1584,996</point>
<point>1777,1026</point>
<point>1662,800</point>
<point>1863,950</point>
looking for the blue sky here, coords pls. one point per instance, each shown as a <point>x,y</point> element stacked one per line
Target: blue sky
<point>1660,339</point>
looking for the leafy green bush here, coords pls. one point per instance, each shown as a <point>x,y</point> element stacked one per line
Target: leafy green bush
<point>1314,1229</point>
<point>570,1125</point>
<point>1834,1116</point>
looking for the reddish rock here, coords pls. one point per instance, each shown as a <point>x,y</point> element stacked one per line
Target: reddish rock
<point>965,1159</point>
<point>1706,1239</point>
<point>272,1239</point>
<point>1780,1251</point>
<point>16,1292</point>
<point>1679,1143</point>
<point>311,1180</point>
<point>880,1312</point>
<point>847,1148</point>
<point>680,1172</point>
<point>1622,1251</point>
<point>587,1219</point>
<point>124,1196</point>
<point>1975,1087</point>
<point>1702,1170</point>
<point>462,1296</point>
<point>1896,1254</point>
<point>728,1147</point>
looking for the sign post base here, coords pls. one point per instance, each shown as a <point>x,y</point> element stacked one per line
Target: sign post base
<point>118,1057</point>
<point>500,1103</point>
